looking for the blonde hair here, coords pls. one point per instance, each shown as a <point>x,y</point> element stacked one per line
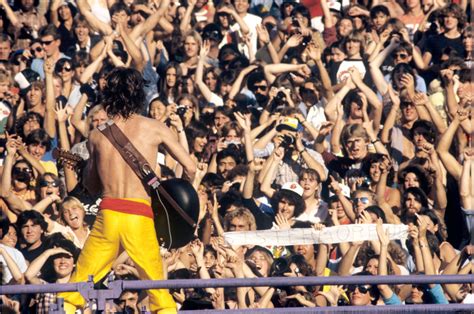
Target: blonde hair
<point>5,77</point>
<point>71,201</point>
<point>240,212</point>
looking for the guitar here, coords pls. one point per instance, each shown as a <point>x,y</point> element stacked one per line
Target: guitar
<point>172,230</point>
<point>68,159</point>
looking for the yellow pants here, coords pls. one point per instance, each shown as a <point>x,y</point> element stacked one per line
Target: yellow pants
<point>136,234</point>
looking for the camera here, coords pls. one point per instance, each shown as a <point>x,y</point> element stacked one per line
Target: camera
<point>287,141</point>
<point>294,22</point>
<point>280,97</point>
<point>181,110</point>
<point>279,267</point>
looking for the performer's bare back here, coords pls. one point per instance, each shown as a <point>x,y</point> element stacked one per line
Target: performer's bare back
<point>108,173</point>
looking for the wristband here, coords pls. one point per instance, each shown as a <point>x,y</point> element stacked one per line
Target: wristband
<point>302,151</point>
<point>375,141</point>
<point>179,131</point>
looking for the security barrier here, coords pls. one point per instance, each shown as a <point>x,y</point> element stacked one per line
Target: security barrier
<point>101,296</point>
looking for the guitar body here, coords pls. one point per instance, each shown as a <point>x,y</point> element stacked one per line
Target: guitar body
<point>172,230</point>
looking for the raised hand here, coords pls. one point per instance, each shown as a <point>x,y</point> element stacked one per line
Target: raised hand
<point>385,35</point>
<point>61,112</point>
<point>408,82</point>
<point>422,225</point>
<point>326,128</point>
<point>262,34</point>
<point>197,248</point>
<point>364,217</point>
<point>385,165</point>
<point>462,114</point>
<point>206,47</point>
<point>12,144</point>
<point>314,52</point>
<point>383,235</point>
<point>201,169</point>
<point>257,164</point>
<point>420,99</point>
<point>176,121</point>
<point>393,97</point>
<point>243,121</point>
<point>334,186</point>
<point>428,148</point>
<point>295,41</point>
<point>283,223</point>
<point>48,66</point>
<point>355,75</point>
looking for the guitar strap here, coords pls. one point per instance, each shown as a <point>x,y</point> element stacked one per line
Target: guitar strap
<point>139,165</point>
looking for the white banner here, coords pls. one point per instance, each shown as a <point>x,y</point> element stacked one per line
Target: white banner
<point>338,234</point>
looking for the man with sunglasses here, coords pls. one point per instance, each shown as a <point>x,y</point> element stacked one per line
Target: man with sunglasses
<point>51,41</point>
<point>258,85</point>
<point>361,199</point>
<point>362,295</point>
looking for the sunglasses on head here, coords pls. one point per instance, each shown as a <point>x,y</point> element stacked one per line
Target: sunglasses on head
<point>363,200</point>
<point>45,183</point>
<point>362,288</point>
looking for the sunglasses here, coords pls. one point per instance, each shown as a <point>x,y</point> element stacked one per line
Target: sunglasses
<point>401,55</point>
<point>18,170</point>
<point>222,14</point>
<point>405,104</point>
<point>362,289</point>
<point>363,200</point>
<point>260,87</point>
<point>46,42</point>
<point>52,184</point>
<point>142,13</point>
<point>66,68</point>
<point>37,49</point>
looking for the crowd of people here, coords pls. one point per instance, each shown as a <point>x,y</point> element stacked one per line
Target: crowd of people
<point>296,114</point>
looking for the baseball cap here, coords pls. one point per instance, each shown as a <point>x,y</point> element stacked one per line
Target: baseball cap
<point>293,187</point>
<point>291,124</point>
<point>25,78</point>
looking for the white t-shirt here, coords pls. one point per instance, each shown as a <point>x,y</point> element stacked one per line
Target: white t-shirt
<point>17,257</point>
<point>252,21</point>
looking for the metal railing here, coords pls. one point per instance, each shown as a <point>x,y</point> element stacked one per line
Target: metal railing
<point>115,288</point>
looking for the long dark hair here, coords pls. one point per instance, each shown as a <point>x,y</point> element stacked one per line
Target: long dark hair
<point>123,94</point>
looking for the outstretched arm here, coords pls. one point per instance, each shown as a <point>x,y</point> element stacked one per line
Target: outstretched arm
<point>466,187</point>
<point>150,23</point>
<point>95,23</point>
<point>205,91</point>
<point>391,117</point>
<point>49,122</point>
<point>237,85</point>
<point>384,240</point>
<point>17,275</point>
<point>444,144</point>
<point>176,150</point>
<point>376,114</point>
<point>381,189</point>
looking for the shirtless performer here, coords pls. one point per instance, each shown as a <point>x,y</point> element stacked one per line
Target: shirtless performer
<point>125,218</point>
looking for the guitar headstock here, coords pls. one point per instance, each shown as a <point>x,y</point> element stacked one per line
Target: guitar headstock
<point>67,158</point>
